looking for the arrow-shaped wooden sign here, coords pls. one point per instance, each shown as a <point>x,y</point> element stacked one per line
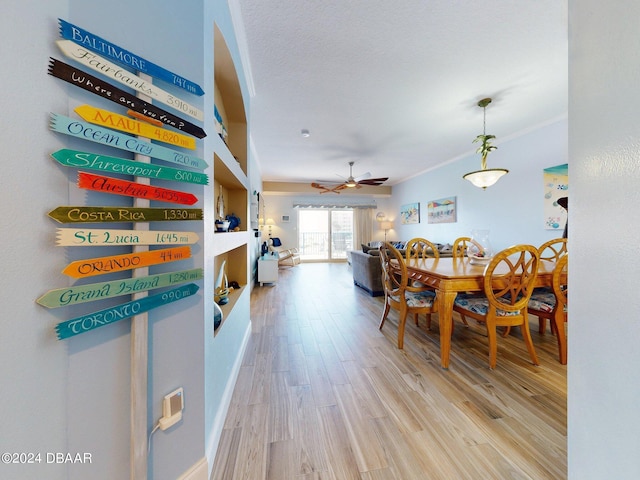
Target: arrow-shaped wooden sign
<point>95,237</point>
<point>115,186</point>
<point>104,89</point>
<point>117,73</point>
<point>98,116</point>
<point>62,297</point>
<point>129,261</point>
<point>91,321</point>
<point>120,55</point>
<point>103,163</point>
<point>82,214</point>
<point>105,136</point>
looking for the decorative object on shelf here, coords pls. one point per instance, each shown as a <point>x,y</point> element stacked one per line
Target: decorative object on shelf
<point>385,225</point>
<point>234,222</point>
<point>222,286</point>
<point>218,315</point>
<point>220,206</point>
<point>410,213</point>
<point>442,210</point>
<point>485,177</point>
<point>479,250</point>
<point>222,225</point>
<point>219,125</point>
<point>264,249</point>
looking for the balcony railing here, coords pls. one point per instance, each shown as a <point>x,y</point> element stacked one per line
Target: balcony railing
<point>315,245</point>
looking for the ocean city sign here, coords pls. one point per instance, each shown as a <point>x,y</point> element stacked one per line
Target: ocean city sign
<point>103,163</point>
<point>96,237</point>
<point>63,297</point>
<point>94,320</point>
<point>111,138</point>
<point>82,214</point>
<point>115,186</point>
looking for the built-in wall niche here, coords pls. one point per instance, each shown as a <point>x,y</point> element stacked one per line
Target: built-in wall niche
<point>228,100</point>
<point>235,267</point>
<point>233,191</point>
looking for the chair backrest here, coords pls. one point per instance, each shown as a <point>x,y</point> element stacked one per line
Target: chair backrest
<point>394,278</point>
<point>421,248</point>
<point>460,246</point>
<point>559,281</point>
<point>510,276</point>
<point>553,249</point>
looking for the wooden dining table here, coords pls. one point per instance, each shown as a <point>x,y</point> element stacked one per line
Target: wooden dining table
<point>448,276</point>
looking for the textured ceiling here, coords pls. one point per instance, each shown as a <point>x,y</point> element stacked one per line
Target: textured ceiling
<point>394,86</point>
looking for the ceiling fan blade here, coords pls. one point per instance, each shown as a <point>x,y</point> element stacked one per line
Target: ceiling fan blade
<point>364,176</point>
<point>374,181</point>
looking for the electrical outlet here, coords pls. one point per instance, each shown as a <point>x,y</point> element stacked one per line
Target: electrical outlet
<point>172,406</point>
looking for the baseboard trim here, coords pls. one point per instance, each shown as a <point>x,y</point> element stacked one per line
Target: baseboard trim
<point>199,471</point>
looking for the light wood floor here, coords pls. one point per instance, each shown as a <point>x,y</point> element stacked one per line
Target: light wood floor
<point>323,394</point>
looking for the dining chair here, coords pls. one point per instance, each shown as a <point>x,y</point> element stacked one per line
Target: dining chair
<point>460,246</point>
<point>508,284</point>
<point>550,251</point>
<point>399,294</point>
<point>421,248</point>
<point>553,305</point>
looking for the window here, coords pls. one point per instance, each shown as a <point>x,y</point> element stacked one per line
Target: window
<point>325,234</point>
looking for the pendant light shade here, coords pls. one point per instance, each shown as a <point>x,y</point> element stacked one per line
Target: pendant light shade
<point>485,177</point>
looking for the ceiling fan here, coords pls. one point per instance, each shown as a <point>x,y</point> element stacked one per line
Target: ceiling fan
<point>351,182</point>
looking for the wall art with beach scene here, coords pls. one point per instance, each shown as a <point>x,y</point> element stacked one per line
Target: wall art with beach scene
<point>442,210</point>
<point>410,213</point>
<point>556,185</point>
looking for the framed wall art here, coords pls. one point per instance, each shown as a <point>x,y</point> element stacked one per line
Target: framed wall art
<point>442,210</point>
<point>556,186</point>
<point>410,213</point>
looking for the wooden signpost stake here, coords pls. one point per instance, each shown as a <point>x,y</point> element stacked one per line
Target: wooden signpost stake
<point>85,323</point>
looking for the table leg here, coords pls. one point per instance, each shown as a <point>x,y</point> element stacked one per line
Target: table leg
<point>445,315</point>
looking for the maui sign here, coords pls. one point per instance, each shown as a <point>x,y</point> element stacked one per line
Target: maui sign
<point>94,320</point>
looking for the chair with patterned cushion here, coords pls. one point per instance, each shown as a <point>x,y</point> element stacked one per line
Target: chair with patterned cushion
<point>508,284</point>
<point>399,294</point>
<point>553,304</point>
<point>460,246</point>
<point>550,251</point>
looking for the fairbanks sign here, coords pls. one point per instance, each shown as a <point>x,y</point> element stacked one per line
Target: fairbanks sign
<point>63,297</point>
<point>104,89</point>
<point>105,67</point>
<point>115,186</point>
<point>103,163</point>
<point>124,57</point>
<point>82,214</point>
<point>94,320</point>
<point>129,261</point>
<point>106,136</point>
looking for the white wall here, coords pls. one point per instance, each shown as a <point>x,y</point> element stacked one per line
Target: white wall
<point>604,146</point>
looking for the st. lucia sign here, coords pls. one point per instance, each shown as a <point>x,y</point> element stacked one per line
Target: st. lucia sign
<point>106,136</point>
<point>63,297</point>
<point>121,123</point>
<point>122,56</point>
<point>100,183</point>
<point>88,214</point>
<point>120,75</point>
<point>119,263</point>
<point>104,89</point>
<point>91,321</point>
<point>90,161</point>
<point>95,237</point>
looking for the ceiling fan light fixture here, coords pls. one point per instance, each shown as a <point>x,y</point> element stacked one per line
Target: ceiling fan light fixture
<point>485,177</point>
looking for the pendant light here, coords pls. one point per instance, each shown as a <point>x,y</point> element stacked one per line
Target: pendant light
<point>485,177</point>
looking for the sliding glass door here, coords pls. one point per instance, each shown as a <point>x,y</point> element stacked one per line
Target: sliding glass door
<point>325,234</point>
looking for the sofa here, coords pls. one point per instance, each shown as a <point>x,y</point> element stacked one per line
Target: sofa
<point>366,267</point>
